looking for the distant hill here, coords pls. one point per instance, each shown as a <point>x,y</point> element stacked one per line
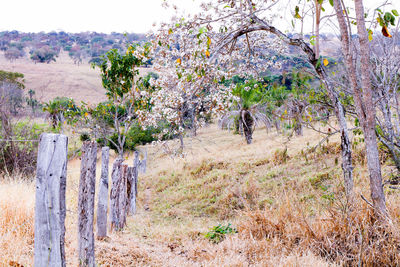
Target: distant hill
<point>80,47</point>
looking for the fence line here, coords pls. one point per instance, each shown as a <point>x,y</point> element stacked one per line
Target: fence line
<point>11,140</point>
<point>51,200</point>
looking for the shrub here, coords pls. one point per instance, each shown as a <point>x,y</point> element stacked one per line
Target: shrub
<point>84,137</point>
<point>20,156</point>
<point>280,156</point>
<point>219,232</point>
<point>135,136</point>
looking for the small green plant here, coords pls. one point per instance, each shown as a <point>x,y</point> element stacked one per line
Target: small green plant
<point>84,137</point>
<point>280,156</point>
<point>218,233</point>
<point>318,180</point>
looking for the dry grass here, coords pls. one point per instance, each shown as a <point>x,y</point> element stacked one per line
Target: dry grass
<point>288,207</point>
<point>17,198</point>
<point>60,78</point>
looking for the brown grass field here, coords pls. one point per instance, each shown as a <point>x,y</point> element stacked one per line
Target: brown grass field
<point>60,78</point>
<point>285,201</point>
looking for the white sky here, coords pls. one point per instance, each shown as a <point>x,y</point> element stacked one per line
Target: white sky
<point>84,15</point>
<point>94,15</point>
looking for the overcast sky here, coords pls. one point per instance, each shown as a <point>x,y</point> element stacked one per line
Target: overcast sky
<point>84,15</point>
<point>92,15</point>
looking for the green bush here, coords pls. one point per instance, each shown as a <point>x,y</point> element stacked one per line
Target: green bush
<point>219,232</point>
<point>136,136</point>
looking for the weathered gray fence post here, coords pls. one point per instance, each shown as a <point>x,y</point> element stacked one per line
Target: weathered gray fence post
<point>136,162</point>
<point>118,197</point>
<point>87,186</point>
<point>136,166</point>
<point>102,203</point>
<point>143,163</point>
<point>131,189</point>
<point>51,180</point>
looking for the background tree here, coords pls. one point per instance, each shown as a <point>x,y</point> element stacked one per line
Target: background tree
<point>386,81</point>
<point>44,54</point>
<point>13,53</point>
<point>11,90</point>
<point>246,109</point>
<point>112,120</point>
<point>57,110</point>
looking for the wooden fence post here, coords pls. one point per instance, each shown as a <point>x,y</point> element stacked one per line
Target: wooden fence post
<point>136,162</point>
<point>136,166</point>
<point>87,186</point>
<point>102,203</point>
<point>143,163</point>
<point>51,180</point>
<point>131,189</point>
<point>118,197</point>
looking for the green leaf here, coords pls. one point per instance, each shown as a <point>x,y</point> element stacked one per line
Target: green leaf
<point>318,63</point>
<point>296,13</point>
<point>370,35</point>
<point>312,40</point>
<point>394,11</point>
<point>202,30</point>
<point>331,2</point>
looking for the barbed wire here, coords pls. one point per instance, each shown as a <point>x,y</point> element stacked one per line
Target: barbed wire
<point>11,140</point>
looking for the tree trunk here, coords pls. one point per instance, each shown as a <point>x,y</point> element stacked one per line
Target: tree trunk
<point>374,166</point>
<point>347,165</point>
<point>363,100</point>
<point>318,7</point>
<point>387,135</point>
<point>298,126</point>
<point>50,208</point>
<point>277,125</point>
<point>102,204</point>
<point>247,122</point>
<point>182,145</point>
<point>87,184</point>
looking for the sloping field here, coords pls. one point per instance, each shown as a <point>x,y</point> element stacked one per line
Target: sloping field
<point>285,201</point>
<point>60,78</point>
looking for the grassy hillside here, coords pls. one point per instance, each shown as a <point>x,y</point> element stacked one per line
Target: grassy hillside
<point>286,202</point>
<point>61,78</point>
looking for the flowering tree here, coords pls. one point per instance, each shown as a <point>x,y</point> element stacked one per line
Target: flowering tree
<point>239,31</point>
<point>189,87</point>
<point>237,37</point>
